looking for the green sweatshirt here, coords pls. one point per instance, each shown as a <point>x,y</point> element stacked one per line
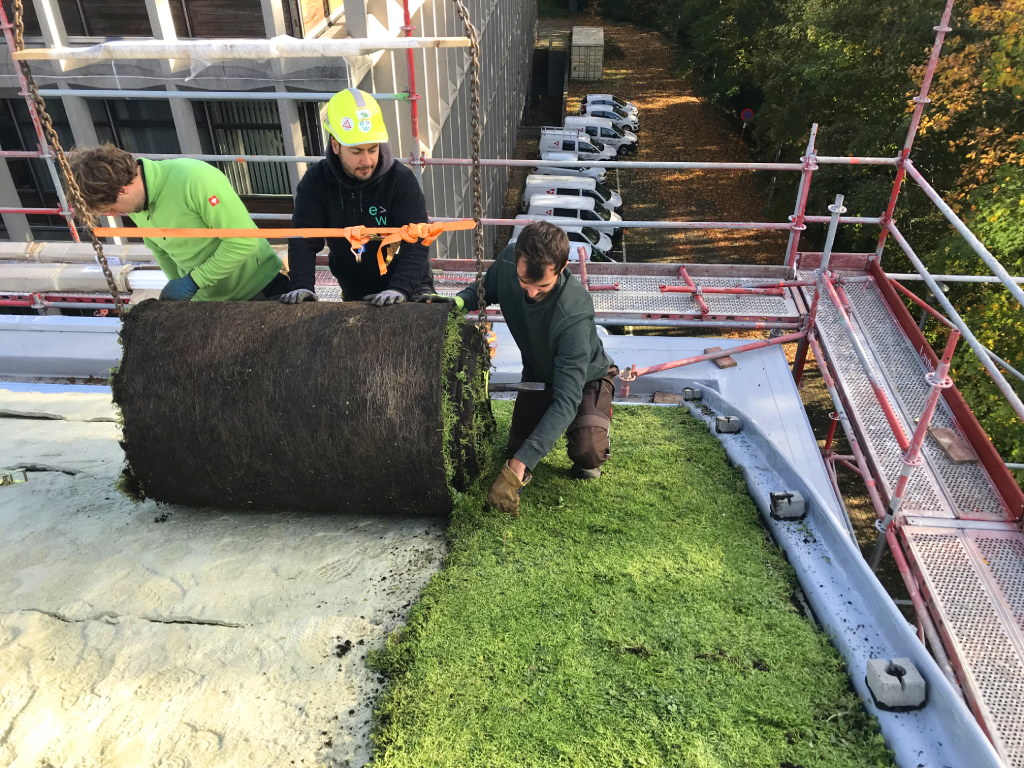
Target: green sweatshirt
<point>193,194</point>
<point>558,340</point>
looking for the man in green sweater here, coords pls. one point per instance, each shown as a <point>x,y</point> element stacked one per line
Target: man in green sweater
<point>182,193</point>
<point>551,317</point>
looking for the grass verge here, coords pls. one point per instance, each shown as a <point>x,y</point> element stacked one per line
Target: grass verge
<point>641,620</point>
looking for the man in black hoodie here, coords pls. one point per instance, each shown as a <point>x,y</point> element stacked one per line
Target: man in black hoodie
<point>358,183</point>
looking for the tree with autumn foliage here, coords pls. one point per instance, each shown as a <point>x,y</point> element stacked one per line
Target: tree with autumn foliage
<point>853,67</point>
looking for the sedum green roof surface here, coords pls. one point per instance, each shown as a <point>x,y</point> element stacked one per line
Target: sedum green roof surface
<point>644,619</point>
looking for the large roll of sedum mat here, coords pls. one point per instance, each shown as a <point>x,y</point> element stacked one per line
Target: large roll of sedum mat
<point>316,407</point>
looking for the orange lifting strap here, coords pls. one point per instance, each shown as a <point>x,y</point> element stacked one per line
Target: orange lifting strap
<point>358,236</point>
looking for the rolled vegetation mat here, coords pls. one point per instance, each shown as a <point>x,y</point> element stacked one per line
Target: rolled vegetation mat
<point>324,407</point>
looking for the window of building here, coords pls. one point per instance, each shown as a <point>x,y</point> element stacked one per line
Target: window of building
<point>244,128</point>
<point>105,18</point>
<point>140,125</point>
<point>217,18</point>
<point>30,19</point>
<point>32,178</point>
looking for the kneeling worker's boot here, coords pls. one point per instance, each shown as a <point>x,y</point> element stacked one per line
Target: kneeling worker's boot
<point>579,473</point>
<point>504,493</point>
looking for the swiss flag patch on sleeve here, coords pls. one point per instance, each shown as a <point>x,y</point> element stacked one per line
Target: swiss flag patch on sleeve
<point>213,200</point>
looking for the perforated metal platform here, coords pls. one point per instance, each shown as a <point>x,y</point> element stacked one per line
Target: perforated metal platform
<point>974,581</point>
<point>939,488</point>
<point>638,294</point>
<point>971,570</point>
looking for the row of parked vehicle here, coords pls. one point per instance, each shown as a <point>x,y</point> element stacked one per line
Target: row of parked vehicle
<point>571,197</point>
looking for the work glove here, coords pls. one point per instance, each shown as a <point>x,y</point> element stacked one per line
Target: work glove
<point>385,298</point>
<point>180,289</point>
<point>504,493</point>
<point>437,298</point>
<point>297,296</point>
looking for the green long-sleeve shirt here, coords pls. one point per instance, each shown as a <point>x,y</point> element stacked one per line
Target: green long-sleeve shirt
<point>194,194</point>
<point>558,341</point>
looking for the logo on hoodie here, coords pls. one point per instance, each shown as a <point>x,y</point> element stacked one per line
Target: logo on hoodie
<point>213,200</point>
<point>382,219</point>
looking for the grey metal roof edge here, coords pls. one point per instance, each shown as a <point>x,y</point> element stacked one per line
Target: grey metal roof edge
<point>853,606</point>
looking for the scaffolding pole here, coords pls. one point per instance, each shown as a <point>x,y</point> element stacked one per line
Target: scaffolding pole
<point>919,101</point>
<point>979,349</point>
<point>972,240</point>
<point>282,47</point>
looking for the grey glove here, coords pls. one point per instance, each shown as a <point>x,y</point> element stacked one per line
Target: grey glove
<point>385,298</point>
<point>297,296</point>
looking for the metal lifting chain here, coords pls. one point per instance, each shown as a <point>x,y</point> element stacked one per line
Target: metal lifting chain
<point>74,194</point>
<point>476,121</point>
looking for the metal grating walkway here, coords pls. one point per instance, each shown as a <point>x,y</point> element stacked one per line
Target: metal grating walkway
<point>972,570</point>
<point>974,580</point>
<point>940,488</point>
<point>638,294</point>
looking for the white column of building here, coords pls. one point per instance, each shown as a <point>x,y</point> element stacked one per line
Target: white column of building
<point>162,23</point>
<point>287,110</point>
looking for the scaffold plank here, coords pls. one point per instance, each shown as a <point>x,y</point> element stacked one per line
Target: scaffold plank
<point>940,487</point>
<point>974,580</point>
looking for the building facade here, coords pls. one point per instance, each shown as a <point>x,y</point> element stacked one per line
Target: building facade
<point>192,125</point>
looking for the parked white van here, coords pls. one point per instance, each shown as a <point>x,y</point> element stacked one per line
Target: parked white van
<point>609,99</point>
<point>565,206</point>
<point>579,236</point>
<point>602,128</point>
<point>570,185</point>
<point>594,173</point>
<point>619,117</point>
<point>558,139</point>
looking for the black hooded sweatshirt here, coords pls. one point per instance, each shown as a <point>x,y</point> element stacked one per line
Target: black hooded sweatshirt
<point>328,197</point>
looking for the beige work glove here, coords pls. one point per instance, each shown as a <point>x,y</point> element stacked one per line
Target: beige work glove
<point>504,493</point>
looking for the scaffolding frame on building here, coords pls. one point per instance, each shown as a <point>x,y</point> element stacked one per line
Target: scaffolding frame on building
<point>820,289</point>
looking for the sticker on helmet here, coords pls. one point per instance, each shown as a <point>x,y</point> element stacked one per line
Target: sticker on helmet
<point>363,114</point>
<point>346,124</point>
<point>364,126</point>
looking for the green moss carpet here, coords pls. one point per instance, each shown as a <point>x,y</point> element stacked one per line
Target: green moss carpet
<point>645,619</point>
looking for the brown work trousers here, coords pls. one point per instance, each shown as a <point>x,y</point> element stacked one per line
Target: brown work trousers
<point>587,435</point>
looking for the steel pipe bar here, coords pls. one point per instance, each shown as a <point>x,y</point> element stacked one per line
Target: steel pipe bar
<point>951,278</point>
<point>492,162</point>
<point>737,291</point>
<point>876,387</point>
<point>833,160</point>
<point>643,224</point>
<point>48,211</point>
<point>281,47</point>
<point>633,372</point>
<point>19,153</point>
<point>704,312</point>
<point>807,169</point>
<point>41,143</point>
<point>979,349</point>
<point>972,240</point>
<point>821,277</point>
<point>922,303</point>
<point>919,101</point>
<point>110,93</point>
<point>939,380</point>
<point>843,220</point>
<point>618,318</point>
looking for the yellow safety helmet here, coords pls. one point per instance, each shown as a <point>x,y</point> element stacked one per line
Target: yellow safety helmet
<point>354,117</point>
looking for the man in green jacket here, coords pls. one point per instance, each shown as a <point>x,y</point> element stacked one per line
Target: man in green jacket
<point>551,317</point>
<point>182,193</point>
